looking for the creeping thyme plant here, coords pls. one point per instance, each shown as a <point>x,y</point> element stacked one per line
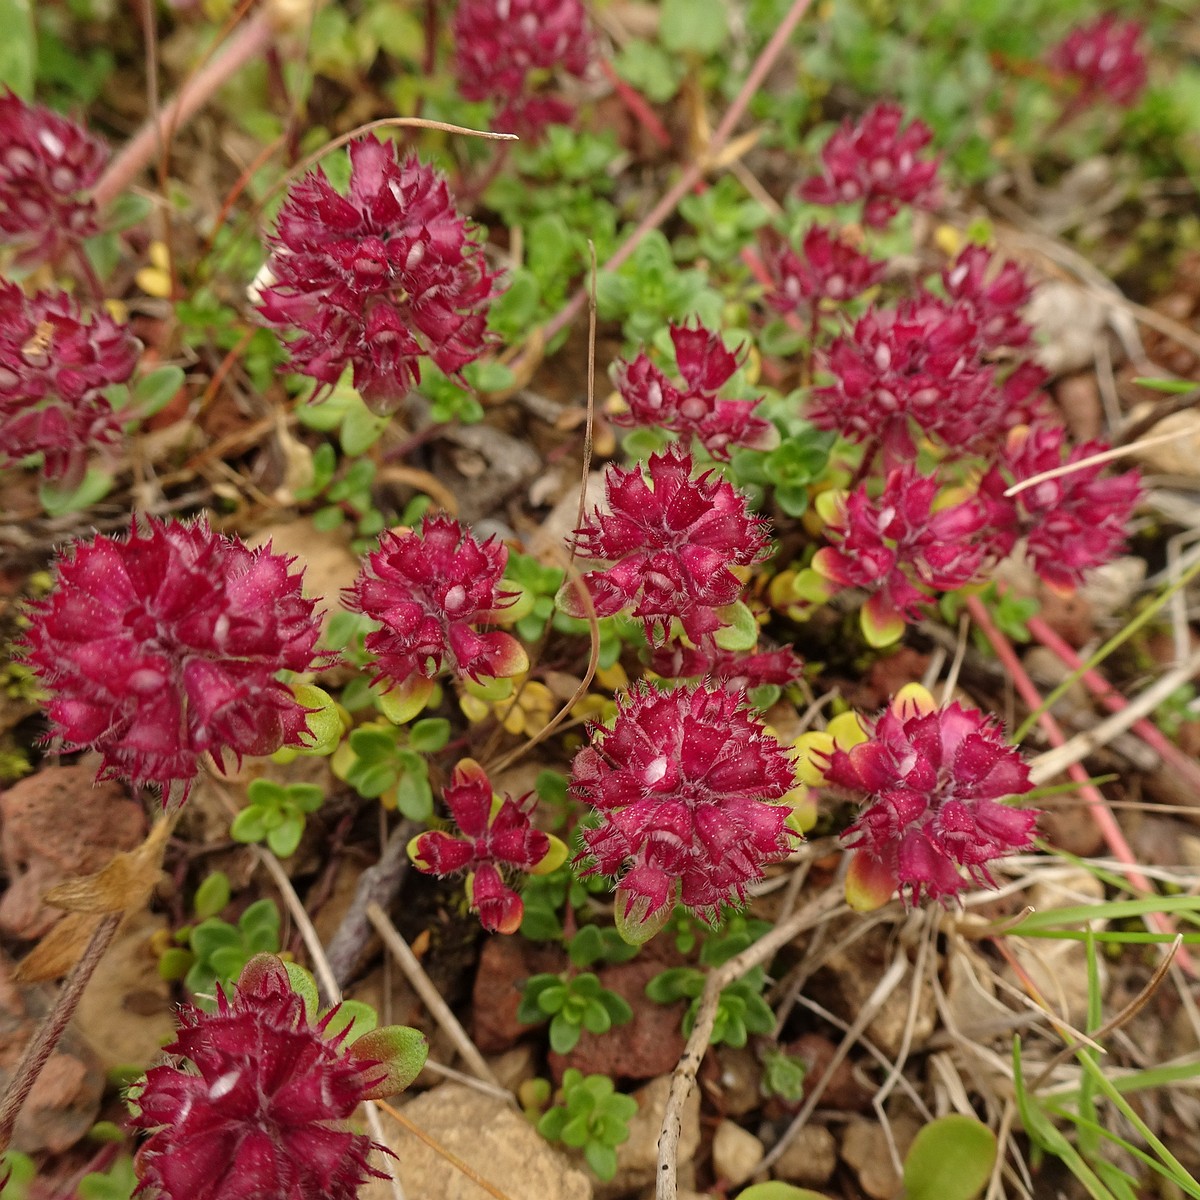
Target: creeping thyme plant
<point>626,698</point>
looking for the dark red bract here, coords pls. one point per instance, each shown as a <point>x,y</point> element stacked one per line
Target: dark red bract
<point>162,646</point>
<point>933,779</point>
<point>429,591</point>
<point>501,46</point>
<point>54,367</point>
<point>263,1113</point>
<point>48,166</point>
<point>693,410</point>
<point>671,540</point>
<point>377,279</point>
<point>876,163</point>
<point>491,839</point>
<point>1105,60</point>
<point>827,268</point>
<point>683,782</point>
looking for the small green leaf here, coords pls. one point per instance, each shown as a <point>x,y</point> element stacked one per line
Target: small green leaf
<point>58,502</point>
<point>353,1015</point>
<point>248,825</point>
<point>18,47</point>
<point>400,1050</point>
<point>698,26</point>
<point>157,388</point>
<point>740,633</point>
<point>284,840</point>
<point>602,1160</point>
<point>429,735</point>
<point>212,895</point>
<point>305,986</point>
<point>779,1191</point>
<point>564,1036</point>
<point>1174,387</point>
<point>950,1159</point>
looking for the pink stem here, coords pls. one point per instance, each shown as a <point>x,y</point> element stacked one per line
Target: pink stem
<point>1115,702</point>
<point>637,105</point>
<point>248,41</point>
<point>1094,800</point>
<point>694,171</point>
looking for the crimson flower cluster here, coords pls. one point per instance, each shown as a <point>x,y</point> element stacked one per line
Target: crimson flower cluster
<point>728,667</point>
<point>693,410</point>
<point>828,268</point>
<point>428,591</point>
<point>54,367</point>
<point>264,1110</point>
<point>48,166</point>
<point>1070,524</point>
<point>502,46</point>
<point>160,647</point>
<point>902,550</point>
<point>876,163</point>
<point>672,540</point>
<point>1105,60</point>
<point>933,780</point>
<point>377,279</point>
<point>683,783</point>
<point>494,838</point>
<point>922,365</point>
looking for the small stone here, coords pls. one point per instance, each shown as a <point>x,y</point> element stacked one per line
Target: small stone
<point>488,1135</point>
<point>865,1148</point>
<point>736,1153</point>
<point>810,1158</point>
<point>736,1090</point>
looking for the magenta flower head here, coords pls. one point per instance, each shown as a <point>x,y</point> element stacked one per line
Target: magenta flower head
<point>54,367</point>
<point>934,781</point>
<point>1072,523</point>
<point>501,47</point>
<point>917,366</point>
<point>993,295</point>
<point>263,1107</point>
<point>672,540</point>
<point>48,166</point>
<point>828,268</point>
<point>683,784</point>
<point>741,672</point>
<point>693,410</point>
<point>1105,60</point>
<point>428,591</point>
<point>495,837</point>
<point>876,162</point>
<point>901,549</point>
<point>162,646</point>
<point>377,279</point>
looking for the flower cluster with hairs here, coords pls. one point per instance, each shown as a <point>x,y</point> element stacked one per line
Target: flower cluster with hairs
<point>377,279</point>
<point>693,410</point>
<point>263,1107</point>
<point>55,367</point>
<point>1104,60</point>
<point>163,646</point>
<point>501,47</point>
<point>48,167</point>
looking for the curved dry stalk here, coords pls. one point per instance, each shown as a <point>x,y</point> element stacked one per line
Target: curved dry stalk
<point>684,1076</point>
<point>1093,460</point>
<point>432,998</point>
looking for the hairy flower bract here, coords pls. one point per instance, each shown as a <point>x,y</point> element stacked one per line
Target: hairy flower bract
<point>264,1109</point>
<point>164,645</point>
<point>428,591</point>
<point>1105,59</point>
<point>377,279</point>
<point>54,367</point>
<point>48,166</point>
<point>683,784</point>
<point>933,780</point>
<point>671,539</point>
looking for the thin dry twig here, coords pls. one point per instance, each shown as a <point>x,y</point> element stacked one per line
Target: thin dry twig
<point>432,998</point>
<point>684,1076</point>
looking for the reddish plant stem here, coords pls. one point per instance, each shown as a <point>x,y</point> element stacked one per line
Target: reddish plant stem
<point>695,170</point>
<point>1115,702</point>
<point>637,105</point>
<point>1095,803</point>
<point>247,42</point>
<point>38,1052</point>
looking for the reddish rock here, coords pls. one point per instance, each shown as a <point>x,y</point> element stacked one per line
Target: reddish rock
<point>648,1046</point>
<point>57,826</point>
<point>504,965</point>
<point>843,1093</point>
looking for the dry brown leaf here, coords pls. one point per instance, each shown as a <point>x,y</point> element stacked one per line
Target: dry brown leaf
<point>124,885</point>
<point>55,955</point>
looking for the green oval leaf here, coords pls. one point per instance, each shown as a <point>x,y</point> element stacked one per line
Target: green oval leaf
<point>950,1159</point>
